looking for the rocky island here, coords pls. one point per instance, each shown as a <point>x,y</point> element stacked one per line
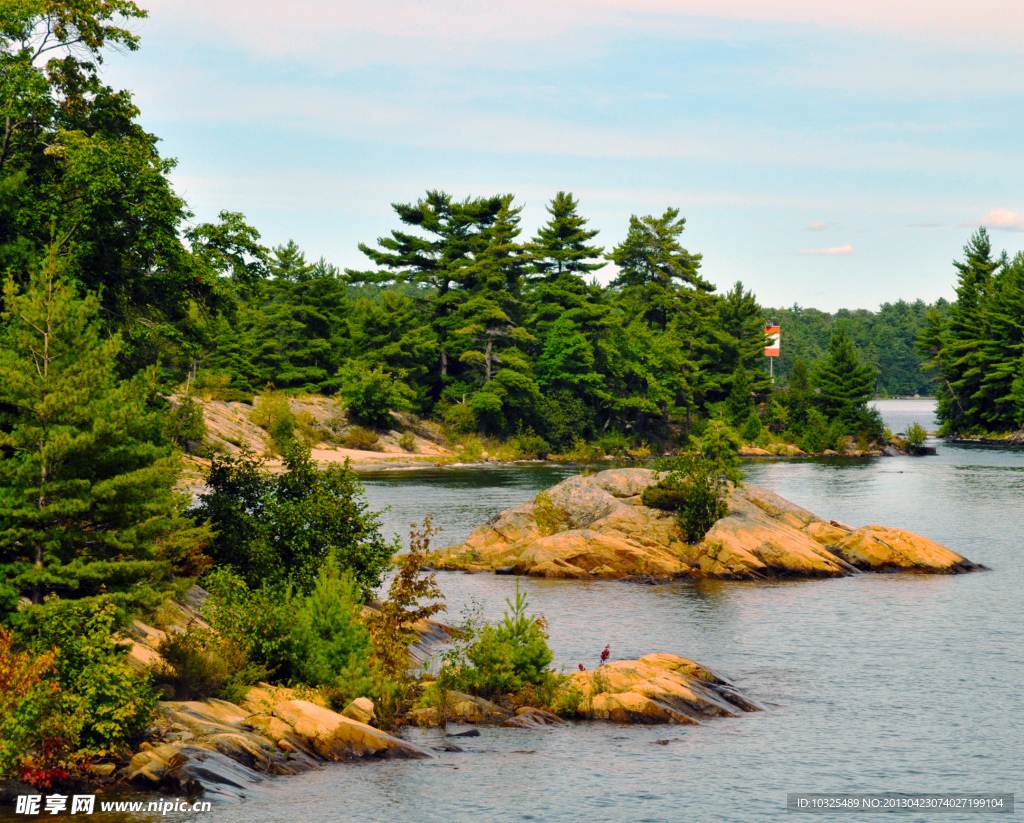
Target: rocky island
<point>596,527</point>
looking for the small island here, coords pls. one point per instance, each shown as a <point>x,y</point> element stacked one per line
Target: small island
<point>597,527</point>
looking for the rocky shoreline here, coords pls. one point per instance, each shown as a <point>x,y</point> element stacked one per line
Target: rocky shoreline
<point>596,527</point>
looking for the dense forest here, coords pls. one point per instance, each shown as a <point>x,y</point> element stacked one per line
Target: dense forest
<point>886,340</point>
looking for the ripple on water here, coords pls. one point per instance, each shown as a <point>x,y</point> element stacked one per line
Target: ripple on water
<point>872,683</point>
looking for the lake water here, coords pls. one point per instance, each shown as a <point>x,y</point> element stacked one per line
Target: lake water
<point>870,683</point>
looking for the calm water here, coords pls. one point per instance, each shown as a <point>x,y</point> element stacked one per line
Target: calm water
<point>888,683</point>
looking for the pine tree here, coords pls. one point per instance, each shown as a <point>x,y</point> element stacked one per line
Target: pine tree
<point>845,384</point>
<point>654,270</point>
<point>87,500</point>
<point>456,233</point>
<point>560,254</point>
<point>741,401</point>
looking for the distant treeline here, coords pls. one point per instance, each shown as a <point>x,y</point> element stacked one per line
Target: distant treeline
<point>886,340</point>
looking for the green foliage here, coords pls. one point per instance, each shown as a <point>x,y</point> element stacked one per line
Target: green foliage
<point>87,499</point>
<point>916,435</point>
<point>408,442</point>
<point>815,437</point>
<point>257,622</point>
<point>199,663</point>
<point>362,439</point>
<point>696,485</point>
<point>740,402</point>
<point>884,338</point>
<point>332,647</point>
<point>530,446</point>
<point>503,658</point>
<point>272,413</point>
<point>278,528</point>
<point>32,725</point>
<point>98,687</point>
<point>845,384</point>
<point>977,347</point>
<point>371,394</point>
<point>752,427</point>
<point>185,424</point>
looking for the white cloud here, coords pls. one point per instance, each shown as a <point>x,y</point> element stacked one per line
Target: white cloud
<point>1000,219</point>
<point>818,225</point>
<point>834,250</point>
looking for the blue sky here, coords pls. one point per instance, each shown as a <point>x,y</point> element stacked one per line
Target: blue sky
<point>823,153</point>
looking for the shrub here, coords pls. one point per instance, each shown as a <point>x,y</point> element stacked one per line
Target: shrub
<point>815,435</point>
<point>916,435</point>
<point>279,528</point>
<point>564,418</point>
<point>460,418</point>
<point>362,439</point>
<point>98,686</point>
<point>752,427</point>
<point>199,663</point>
<point>272,414</point>
<point>258,622</point>
<point>32,726</point>
<point>371,394</point>
<point>696,485</point>
<point>391,628</point>
<point>308,429</point>
<point>331,646</point>
<point>530,446</point>
<point>185,424</point>
<point>503,658</point>
<point>613,442</point>
<point>407,442</point>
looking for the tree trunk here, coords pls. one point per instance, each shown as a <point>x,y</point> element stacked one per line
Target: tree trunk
<point>487,360</point>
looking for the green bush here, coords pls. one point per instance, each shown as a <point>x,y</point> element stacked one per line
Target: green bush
<point>199,663</point>
<point>272,414</point>
<point>460,418</point>
<point>258,622</point>
<point>815,437</point>
<point>371,394</point>
<point>331,646</point>
<point>503,658</point>
<point>185,424</point>
<point>98,686</point>
<point>530,446</point>
<point>752,427</point>
<point>916,435</point>
<point>696,485</point>
<point>362,439</point>
<point>278,528</point>
<point>407,442</point>
<point>613,442</point>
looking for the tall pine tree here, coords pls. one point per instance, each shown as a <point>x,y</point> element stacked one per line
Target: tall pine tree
<point>87,500</point>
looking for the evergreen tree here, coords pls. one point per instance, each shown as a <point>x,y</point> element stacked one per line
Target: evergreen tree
<point>799,394</point>
<point>741,400</point>
<point>457,232</point>
<point>87,500</point>
<point>487,331</point>
<point>560,263</point>
<point>845,385</point>
<point>953,343</point>
<point>654,269</point>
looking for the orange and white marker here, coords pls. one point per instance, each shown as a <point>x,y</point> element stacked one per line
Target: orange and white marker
<point>771,351</point>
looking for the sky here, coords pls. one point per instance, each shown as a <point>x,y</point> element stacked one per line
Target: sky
<point>825,153</point>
